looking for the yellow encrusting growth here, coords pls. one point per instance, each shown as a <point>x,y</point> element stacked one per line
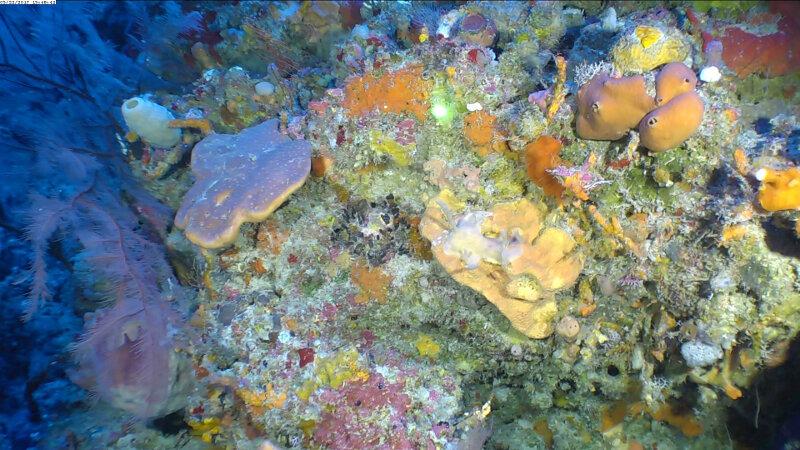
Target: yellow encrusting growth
<point>648,47</point>
<point>206,428</point>
<point>381,144</point>
<point>647,35</point>
<point>268,399</point>
<point>559,91</point>
<point>427,347</point>
<point>333,372</point>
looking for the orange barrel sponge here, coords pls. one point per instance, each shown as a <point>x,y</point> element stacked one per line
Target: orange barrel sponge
<point>609,107</point>
<point>668,126</point>
<point>673,80</point>
<point>780,189</point>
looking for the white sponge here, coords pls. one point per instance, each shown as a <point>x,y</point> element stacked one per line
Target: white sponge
<point>150,121</point>
<point>700,354</point>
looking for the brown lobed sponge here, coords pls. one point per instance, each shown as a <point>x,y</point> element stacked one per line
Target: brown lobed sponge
<point>668,126</point>
<point>673,80</point>
<point>609,107</point>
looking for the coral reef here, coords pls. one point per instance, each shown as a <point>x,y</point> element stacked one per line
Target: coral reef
<point>528,224</point>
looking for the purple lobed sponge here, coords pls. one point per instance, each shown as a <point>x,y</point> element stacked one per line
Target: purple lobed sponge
<point>241,178</point>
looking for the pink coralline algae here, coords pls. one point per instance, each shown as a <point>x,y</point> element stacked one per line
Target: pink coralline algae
<point>406,132</point>
<point>364,414</point>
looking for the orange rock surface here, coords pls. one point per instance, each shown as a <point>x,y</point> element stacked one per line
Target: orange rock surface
<point>401,92</point>
<point>372,281</point>
<point>540,156</point>
<point>479,130</point>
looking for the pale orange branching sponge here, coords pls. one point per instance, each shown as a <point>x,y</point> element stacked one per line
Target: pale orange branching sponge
<point>609,107</point>
<point>403,91</point>
<point>507,255</point>
<point>780,189</point>
<point>240,178</point>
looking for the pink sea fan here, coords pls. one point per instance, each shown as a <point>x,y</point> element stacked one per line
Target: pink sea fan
<point>126,354</point>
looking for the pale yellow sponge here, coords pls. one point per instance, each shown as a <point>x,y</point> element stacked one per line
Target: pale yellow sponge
<point>506,255</point>
<point>150,121</point>
<point>646,47</point>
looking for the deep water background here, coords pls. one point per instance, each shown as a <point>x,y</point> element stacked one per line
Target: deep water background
<point>64,69</point>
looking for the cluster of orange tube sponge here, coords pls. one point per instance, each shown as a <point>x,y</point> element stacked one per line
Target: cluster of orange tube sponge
<point>403,91</point>
<point>608,107</point>
<point>780,189</point>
